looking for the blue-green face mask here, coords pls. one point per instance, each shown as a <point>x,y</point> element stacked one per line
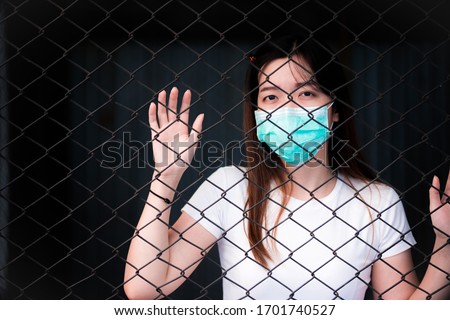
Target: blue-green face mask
<point>294,134</point>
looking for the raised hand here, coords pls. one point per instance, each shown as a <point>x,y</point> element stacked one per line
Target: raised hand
<point>440,209</point>
<point>173,144</point>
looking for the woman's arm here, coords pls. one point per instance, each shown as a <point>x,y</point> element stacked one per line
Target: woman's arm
<point>160,258</point>
<point>395,278</point>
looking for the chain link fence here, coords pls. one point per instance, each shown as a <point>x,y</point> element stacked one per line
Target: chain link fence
<point>75,145</point>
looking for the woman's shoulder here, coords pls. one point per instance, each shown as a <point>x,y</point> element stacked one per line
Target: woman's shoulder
<point>370,188</point>
<point>230,174</point>
<point>233,170</point>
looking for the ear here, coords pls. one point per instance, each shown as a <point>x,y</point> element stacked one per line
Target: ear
<point>335,117</point>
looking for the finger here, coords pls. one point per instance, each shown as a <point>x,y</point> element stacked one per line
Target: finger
<point>435,200</point>
<point>197,127</point>
<point>447,188</point>
<point>152,116</point>
<point>162,110</point>
<point>172,105</point>
<point>185,105</point>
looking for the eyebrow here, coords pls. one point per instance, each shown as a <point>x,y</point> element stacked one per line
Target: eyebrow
<point>268,88</point>
<point>311,83</point>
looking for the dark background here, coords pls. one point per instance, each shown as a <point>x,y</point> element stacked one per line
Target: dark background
<point>77,77</point>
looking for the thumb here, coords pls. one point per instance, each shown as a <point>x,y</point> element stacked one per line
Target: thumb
<point>435,200</point>
<point>197,127</point>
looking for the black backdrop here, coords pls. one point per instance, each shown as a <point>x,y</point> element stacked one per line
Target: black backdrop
<point>76,79</point>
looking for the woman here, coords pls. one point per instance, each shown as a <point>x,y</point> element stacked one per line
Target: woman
<point>298,220</point>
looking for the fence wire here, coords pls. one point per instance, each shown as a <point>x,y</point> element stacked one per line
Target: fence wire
<point>76,160</point>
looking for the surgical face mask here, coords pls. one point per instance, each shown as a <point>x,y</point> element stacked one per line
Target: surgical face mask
<point>294,134</point>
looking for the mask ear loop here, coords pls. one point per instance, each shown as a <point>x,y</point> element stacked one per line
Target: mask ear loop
<point>332,122</point>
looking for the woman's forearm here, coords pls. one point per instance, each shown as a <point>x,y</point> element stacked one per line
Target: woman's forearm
<point>436,281</point>
<point>146,269</point>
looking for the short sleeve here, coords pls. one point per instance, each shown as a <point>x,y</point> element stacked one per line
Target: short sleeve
<point>207,204</point>
<point>395,232</point>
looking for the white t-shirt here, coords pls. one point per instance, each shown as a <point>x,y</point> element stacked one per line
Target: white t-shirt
<point>324,247</point>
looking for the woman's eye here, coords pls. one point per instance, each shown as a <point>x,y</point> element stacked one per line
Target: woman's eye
<point>270,98</point>
<point>307,94</point>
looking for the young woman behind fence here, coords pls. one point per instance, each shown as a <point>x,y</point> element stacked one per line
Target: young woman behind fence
<point>301,219</point>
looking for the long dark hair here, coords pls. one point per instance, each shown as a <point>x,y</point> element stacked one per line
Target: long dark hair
<point>265,167</point>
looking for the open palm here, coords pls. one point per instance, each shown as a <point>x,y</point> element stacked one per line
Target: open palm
<point>440,209</point>
<point>173,145</point>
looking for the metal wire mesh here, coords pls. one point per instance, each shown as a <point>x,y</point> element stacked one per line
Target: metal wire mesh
<point>75,144</point>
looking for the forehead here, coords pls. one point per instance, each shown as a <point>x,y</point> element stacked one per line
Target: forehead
<point>296,68</point>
